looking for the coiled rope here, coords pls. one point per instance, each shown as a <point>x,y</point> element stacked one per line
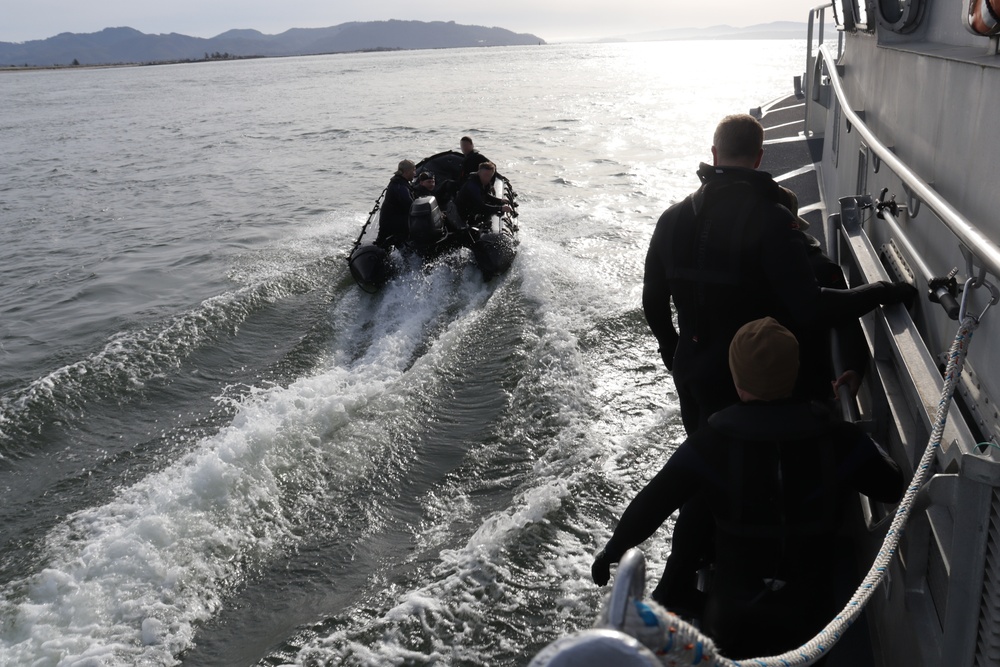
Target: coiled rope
<point>682,644</point>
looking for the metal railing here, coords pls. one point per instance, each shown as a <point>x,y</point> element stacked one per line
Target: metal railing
<point>985,250</point>
<point>937,609</point>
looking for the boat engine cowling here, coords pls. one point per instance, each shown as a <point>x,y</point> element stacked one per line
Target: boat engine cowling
<point>426,223</point>
<point>370,266</point>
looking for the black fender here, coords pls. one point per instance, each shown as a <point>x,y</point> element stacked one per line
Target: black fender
<point>371,267</point>
<point>494,253</point>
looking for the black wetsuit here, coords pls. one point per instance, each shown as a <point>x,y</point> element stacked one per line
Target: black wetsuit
<point>394,217</point>
<point>470,165</point>
<point>422,191</point>
<point>777,478</point>
<point>727,255</point>
<point>816,368</point>
<point>474,203</point>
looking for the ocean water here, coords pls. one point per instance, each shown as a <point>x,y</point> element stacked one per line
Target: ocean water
<point>216,450</point>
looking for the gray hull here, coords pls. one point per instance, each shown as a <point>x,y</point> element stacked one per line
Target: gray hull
<point>897,127</point>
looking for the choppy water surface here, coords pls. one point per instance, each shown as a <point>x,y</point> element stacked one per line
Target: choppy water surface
<point>216,450</point>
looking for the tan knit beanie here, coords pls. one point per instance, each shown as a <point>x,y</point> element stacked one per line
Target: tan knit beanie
<point>764,359</point>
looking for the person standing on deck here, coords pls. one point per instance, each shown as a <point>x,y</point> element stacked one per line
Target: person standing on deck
<point>729,254</point>
<point>777,474</point>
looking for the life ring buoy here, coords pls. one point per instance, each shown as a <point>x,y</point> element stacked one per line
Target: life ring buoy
<point>984,17</point>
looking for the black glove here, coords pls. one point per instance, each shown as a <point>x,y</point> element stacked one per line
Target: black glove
<point>903,293</point>
<point>668,358</point>
<point>600,571</point>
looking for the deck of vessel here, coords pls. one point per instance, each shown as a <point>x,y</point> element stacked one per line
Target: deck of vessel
<point>791,157</point>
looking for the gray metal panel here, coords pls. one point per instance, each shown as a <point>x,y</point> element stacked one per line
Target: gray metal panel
<point>943,556</point>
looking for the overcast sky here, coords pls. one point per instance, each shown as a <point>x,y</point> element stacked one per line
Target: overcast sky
<point>552,20</point>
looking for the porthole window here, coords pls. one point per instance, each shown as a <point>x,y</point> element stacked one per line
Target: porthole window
<point>982,17</point>
<point>901,15</point>
<point>891,10</point>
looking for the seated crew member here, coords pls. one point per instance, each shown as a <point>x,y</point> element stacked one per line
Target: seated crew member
<point>426,183</point>
<point>473,159</point>
<point>475,204</point>
<point>777,474</point>
<point>393,220</point>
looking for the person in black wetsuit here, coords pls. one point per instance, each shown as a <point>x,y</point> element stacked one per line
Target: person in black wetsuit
<point>777,474</point>
<point>426,184</point>
<point>473,159</point>
<point>474,203</point>
<point>729,254</point>
<point>816,374</point>
<point>394,217</point>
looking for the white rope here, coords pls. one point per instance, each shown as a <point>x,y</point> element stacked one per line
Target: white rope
<point>700,650</point>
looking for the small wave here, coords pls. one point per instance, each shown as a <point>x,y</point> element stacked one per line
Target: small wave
<point>128,582</point>
<point>332,132</point>
<point>131,359</point>
<point>501,591</point>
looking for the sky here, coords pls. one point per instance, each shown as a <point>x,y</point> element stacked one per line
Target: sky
<point>552,20</point>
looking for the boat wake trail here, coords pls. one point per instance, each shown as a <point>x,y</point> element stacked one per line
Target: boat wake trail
<point>501,545</point>
<point>131,359</point>
<point>127,582</point>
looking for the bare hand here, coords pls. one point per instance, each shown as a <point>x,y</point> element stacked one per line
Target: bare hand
<point>850,379</point>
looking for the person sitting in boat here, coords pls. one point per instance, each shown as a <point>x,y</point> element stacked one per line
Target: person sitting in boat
<point>777,474</point>
<point>473,159</point>
<point>393,221</point>
<point>426,184</point>
<point>474,203</point>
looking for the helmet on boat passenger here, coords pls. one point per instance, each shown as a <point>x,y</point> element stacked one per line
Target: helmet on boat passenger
<point>596,648</point>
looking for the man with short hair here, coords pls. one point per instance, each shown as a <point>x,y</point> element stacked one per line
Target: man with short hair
<point>394,217</point>
<point>425,185</point>
<point>728,254</point>
<point>474,201</point>
<point>473,159</point>
<point>777,474</point>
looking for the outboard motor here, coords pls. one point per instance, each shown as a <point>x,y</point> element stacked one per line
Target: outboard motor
<point>427,227</point>
<point>370,266</point>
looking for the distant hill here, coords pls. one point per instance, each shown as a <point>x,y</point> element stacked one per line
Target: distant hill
<point>775,30</point>
<point>126,45</point>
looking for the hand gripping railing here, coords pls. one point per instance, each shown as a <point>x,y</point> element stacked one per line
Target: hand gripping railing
<point>632,567</point>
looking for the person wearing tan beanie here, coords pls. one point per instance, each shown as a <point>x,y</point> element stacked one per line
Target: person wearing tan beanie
<point>764,360</point>
<point>774,474</point>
